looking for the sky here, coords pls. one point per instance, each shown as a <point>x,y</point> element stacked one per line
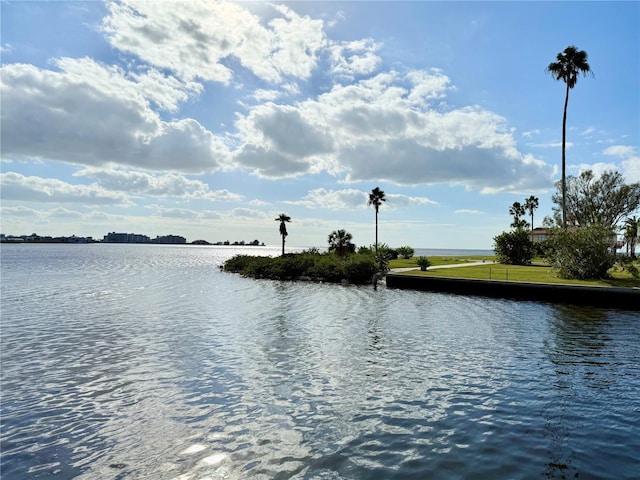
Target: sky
<point>208,119</point>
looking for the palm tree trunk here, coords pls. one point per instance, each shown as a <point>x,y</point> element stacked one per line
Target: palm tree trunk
<point>564,165</point>
<point>376,230</point>
<point>282,244</point>
<point>531,226</point>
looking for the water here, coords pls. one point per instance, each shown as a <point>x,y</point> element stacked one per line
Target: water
<point>148,362</point>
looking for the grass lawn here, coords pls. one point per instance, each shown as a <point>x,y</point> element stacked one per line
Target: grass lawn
<point>534,273</point>
<point>411,262</point>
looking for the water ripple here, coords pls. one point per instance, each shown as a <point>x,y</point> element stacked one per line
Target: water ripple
<point>148,362</point>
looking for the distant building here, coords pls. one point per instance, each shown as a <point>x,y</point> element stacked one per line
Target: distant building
<point>171,239</point>
<point>540,234</point>
<point>114,237</point>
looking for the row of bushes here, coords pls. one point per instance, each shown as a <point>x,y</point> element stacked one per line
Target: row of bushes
<point>405,252</point>
<point>584,253</point>
<point>356,268</point>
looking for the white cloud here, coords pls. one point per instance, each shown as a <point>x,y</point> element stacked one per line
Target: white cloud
<point>383,128</point>
<point>332,199</point>
<point>551,145</point>
<point>395,200</point>
<point>141,183</point>
<point>36,189</point>
<point>531,133</point>
<point>88,114</point>
<point>349,199</point>
<point>621,151</point>
<point>350,59</point>
<point>262,95</point>
<point>197,39</point>
<point>629,161</point>
<point>182,213</point>
<point>468,212</point>
<point>249,213</point>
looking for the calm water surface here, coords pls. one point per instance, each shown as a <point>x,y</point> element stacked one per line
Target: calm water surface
<point>148,362</point>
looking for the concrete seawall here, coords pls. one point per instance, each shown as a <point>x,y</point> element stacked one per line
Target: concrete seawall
<point>606,297</point>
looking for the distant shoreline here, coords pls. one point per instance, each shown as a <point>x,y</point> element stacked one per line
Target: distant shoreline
<point>427,252</point>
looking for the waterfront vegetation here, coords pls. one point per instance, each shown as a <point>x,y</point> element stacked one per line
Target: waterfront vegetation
<point>581,256</point>
<point>359,269</point>
<point>311,265</point>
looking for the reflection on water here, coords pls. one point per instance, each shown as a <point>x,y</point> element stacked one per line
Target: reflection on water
<point>148,362</point>
<point>593,358</point>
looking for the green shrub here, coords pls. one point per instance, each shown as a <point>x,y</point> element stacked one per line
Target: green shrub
<point>327,268</point>
<point>238,263</point>
<point>514,248</point>
<point>406,252</point>
<point>626,265</point>
<point>423,263</point>
<point>584,253</point>
<point>359,269</point>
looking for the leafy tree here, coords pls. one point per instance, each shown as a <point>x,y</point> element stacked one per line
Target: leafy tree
<point>597,201</point>
<point>340,242</point>
<point>569,64</point>
<point>517,210</point>
<point>406,251</point>
<point>631,232</point>
<point>283,218</point>
<point>376,197</point>
<point>582,253</point>
<point>513,247</point>
<point>530,204</point>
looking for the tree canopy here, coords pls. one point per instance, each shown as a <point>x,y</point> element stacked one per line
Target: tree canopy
<point>518,210</point>
<point>340,242</point>
<point>605,201</point>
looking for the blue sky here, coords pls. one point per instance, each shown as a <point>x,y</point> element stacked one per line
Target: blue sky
<point>208,119</point>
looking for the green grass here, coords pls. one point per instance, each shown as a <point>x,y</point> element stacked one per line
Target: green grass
<point>411,262</point>
<point>533,273</point>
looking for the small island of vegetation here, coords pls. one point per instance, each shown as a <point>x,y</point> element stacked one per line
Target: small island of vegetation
<point>310,265</point>
<point>340,264</point>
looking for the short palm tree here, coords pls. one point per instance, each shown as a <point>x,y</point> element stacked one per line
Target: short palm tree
<point>340,242</point>
<point>283,218</point>
<point>376,197</point>
<point>530,204</point>
<point>568,65</point>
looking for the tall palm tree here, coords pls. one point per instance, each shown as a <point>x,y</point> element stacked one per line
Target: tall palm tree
<point>283,218</point>
<point>631,232</point>
<point>376,197</point>
<point>530,204</point>
<point>568,65</point>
